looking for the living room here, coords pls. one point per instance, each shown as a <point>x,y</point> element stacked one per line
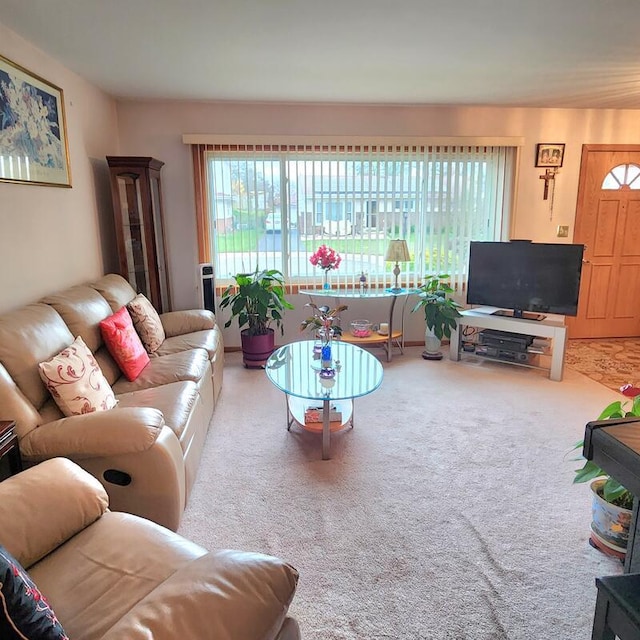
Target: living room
<point>55,238</point>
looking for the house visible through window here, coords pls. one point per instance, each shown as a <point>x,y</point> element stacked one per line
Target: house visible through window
<point>271,207</point>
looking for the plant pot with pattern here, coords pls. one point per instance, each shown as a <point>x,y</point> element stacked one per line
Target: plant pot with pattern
<point>257,300</point>
<point>612,503</point>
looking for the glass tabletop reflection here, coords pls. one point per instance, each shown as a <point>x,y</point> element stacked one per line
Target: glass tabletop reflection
<point>294,369</point>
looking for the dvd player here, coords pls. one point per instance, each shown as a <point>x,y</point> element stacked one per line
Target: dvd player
<point>502,354</point>
<point>505,340</point>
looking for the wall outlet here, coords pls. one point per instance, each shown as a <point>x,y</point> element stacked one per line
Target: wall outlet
<point>563,231</point>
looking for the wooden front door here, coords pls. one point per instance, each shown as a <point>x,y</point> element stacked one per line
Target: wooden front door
<point>608,223</point>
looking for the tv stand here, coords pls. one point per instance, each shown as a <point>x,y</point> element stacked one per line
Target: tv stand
<point>516,313</point>
<point>486,318</point>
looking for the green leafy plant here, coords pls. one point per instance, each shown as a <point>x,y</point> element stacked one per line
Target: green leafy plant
<point>612,490</point>
<point>440,311</point>
<point>323,318</point>
<point>256,299</point>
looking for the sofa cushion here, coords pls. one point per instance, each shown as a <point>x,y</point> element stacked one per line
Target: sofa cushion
<point>231,595</point>
<point>115,290</point>
<point>147,323</point>
<point>124,343</point>
<point>24,611</point>
<point>209,340</point>
<point>75,381</point>
<point>176,367</point>
<point>104,571</point>
<point>175,323</point>
<point>57,492</point>
<point>82,308</point>
<point>27,337</point>
<point>176,402</point>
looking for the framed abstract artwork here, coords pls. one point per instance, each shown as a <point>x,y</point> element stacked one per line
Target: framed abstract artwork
<point>549,154</point>
<point>33,135</point>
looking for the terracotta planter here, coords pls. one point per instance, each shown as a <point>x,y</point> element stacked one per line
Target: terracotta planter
<point>257,349</point>
<point>610,524</point>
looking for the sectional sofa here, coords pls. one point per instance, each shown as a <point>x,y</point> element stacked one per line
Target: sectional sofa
<point>146,450</point>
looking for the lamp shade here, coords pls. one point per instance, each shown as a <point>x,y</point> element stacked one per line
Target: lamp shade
<point>397,251</point>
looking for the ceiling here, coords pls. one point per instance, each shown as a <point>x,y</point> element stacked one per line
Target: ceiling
<point>539,53</point>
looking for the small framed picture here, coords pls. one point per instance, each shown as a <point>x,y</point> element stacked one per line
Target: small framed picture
<point>549,154</point>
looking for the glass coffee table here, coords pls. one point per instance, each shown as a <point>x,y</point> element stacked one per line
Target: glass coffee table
<point>295,369</point>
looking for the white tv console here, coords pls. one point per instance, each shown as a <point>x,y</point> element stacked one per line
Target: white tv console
<point>547,328</point>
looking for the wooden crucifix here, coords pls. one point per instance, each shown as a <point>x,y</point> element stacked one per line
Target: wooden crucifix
<point>549,175</point>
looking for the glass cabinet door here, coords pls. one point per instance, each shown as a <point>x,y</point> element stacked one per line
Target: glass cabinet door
<point>133,231</point>
<point>138,215</point>
<point>158,229</point>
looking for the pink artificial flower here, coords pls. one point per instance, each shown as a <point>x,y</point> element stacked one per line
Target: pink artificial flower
<point>326,258</point>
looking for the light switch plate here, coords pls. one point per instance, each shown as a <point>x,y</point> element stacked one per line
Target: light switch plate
<point>563,231</point>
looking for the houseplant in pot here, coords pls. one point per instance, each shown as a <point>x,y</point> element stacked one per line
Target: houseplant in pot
<point>612,503</point>
<point>257,300</point>
<point>440,313</point>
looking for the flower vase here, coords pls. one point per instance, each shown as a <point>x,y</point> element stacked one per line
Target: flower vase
<point>325,285</point>
<point>326,359</point>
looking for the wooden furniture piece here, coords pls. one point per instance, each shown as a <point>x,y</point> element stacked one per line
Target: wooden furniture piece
<point>375,339</point>
<point>138,211</point>
<point>617,612</point>
<point>614,445</point>
<point>10,460</point>
<point>484,317</point>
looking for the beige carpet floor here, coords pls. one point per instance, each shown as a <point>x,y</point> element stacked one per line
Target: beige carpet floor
<point>613,362</point>
<point>448,513</point>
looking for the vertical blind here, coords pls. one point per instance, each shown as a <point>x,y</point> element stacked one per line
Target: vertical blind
<point>272,206</point>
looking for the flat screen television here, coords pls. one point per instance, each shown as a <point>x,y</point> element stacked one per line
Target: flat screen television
<point>525,279</point>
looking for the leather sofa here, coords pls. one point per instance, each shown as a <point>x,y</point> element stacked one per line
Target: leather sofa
<point>114,576</point>
<point>146,450</point>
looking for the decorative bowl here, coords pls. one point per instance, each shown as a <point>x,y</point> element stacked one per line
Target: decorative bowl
<point>361,328</point>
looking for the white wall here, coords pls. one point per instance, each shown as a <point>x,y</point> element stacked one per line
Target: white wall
<point>52,237</point>
<point>156,128</point>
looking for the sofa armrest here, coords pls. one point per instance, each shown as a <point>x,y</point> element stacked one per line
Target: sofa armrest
<point>177,323</point>
<point>98,434</point>
<point>42,507</point>
<point>224,595</point>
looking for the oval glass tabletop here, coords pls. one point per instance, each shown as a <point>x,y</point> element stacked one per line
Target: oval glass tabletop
<point>295,369</point>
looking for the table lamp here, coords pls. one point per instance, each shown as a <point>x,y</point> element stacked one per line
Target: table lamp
<point>397,251</point>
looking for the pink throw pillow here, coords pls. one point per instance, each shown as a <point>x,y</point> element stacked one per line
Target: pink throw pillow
<point>124,343</point>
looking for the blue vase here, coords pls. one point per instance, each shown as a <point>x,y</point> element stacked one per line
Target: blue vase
<point>325,356</point>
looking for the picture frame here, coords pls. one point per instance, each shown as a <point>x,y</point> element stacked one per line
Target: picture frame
<point>549,154</point>
<point>33,131</point>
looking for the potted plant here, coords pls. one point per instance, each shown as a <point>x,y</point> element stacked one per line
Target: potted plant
<point>440,313</point>
<point>323,319</point>
<point>612,503</point>
<point>257,300</point>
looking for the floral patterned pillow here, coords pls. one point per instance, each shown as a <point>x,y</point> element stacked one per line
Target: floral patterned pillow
<point>24,611</point>
<point>76,382</point>
<point>147,323</point>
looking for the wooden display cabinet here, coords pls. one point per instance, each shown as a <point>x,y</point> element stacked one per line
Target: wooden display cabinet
<point>138,212</point>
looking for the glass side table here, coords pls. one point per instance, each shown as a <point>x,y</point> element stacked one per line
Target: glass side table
<point>393,336</point>
<point>295,369</point>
